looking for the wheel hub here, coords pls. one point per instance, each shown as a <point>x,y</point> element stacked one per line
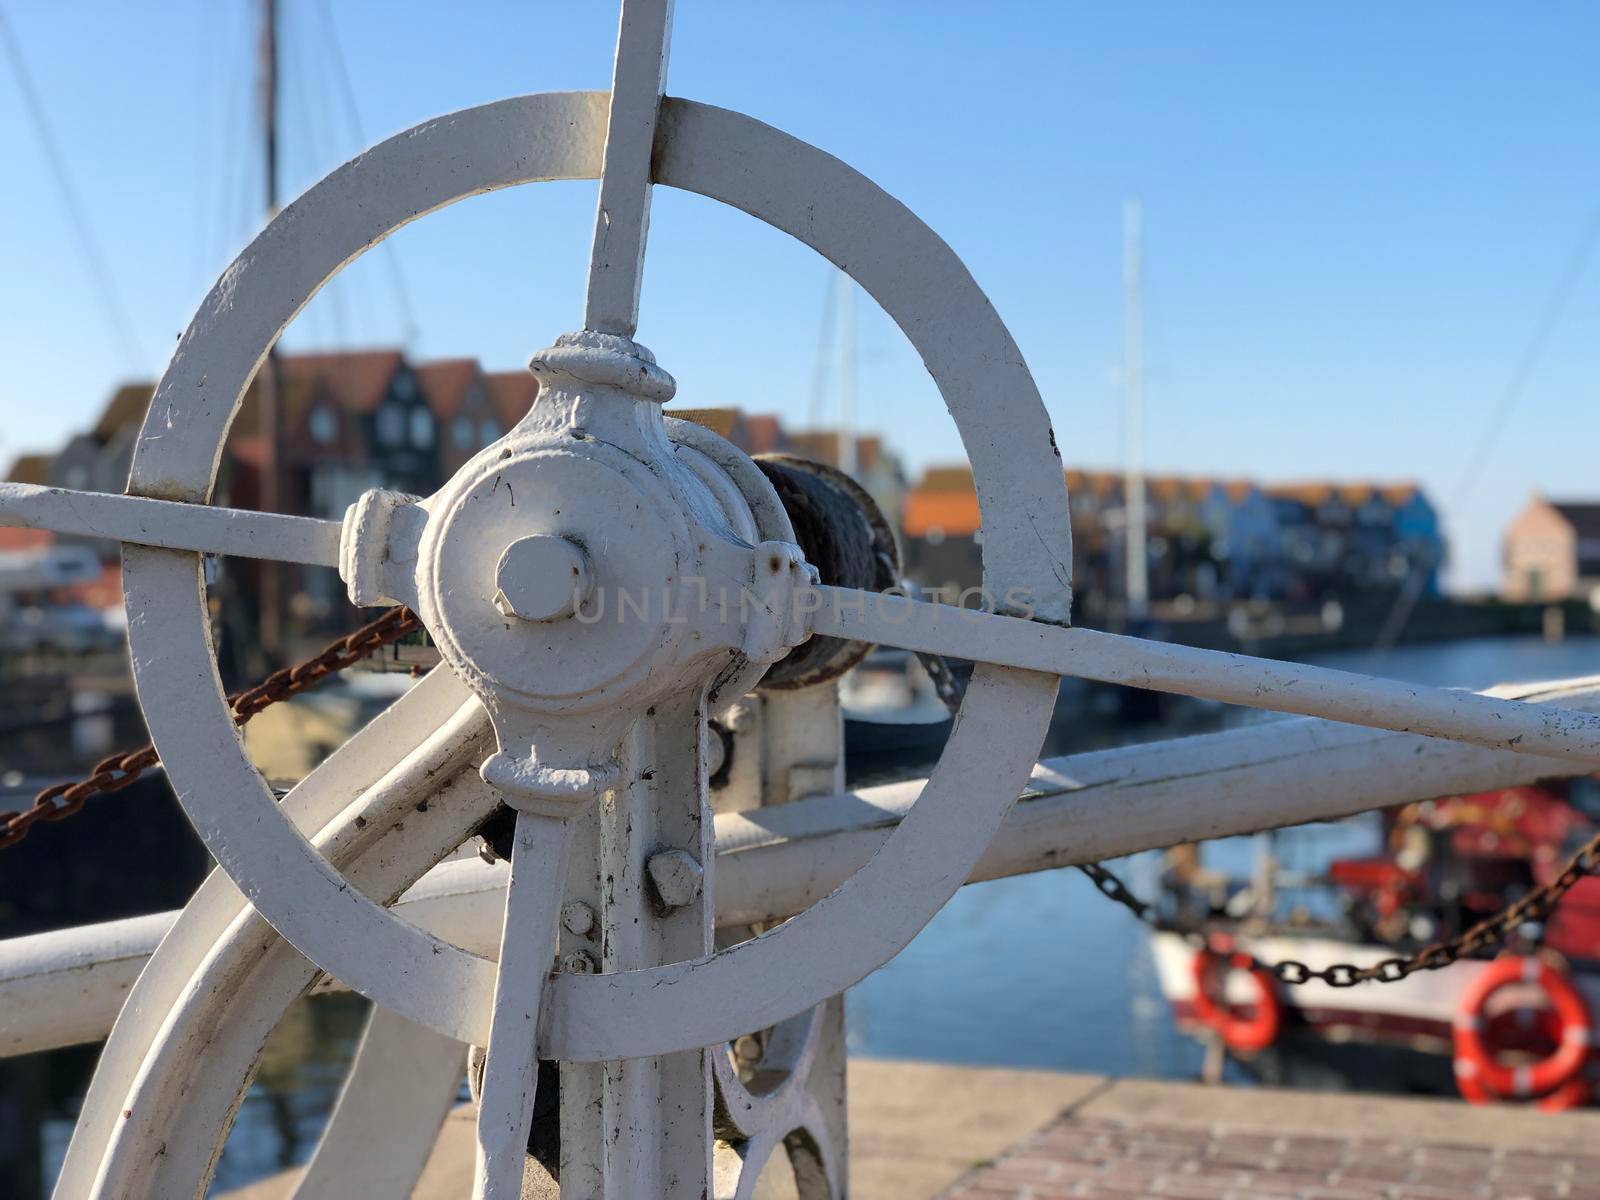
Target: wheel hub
<point>576,572</point>
<point>542,578</point>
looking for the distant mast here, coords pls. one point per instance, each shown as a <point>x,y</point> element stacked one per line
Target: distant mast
<point>847,374</point>
<point>271,498</point>
<point>1135,563</point>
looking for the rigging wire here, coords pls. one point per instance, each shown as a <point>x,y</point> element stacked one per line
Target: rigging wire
<point>1555,308</point>
<point>320,101</point>
<point>410,330</point>
<point>205,86</point>
<point>1549,319</point>
<point>299,98</point>
<point>225,188</point>
<point>110,301</point>
<point>238,209</point>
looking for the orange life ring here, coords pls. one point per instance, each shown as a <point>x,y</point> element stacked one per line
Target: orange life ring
<point>1477,1068</point>
<point>1245,1034</point>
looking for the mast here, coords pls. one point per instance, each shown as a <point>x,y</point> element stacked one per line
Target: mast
<point>847,374</point>
<point>1135,561</point>
<point>271,500</point>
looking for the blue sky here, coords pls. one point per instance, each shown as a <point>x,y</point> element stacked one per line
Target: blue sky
<point>1353,213</point>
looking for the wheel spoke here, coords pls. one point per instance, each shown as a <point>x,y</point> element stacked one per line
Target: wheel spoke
<point>623,218</point>
<point>172,526</point>
<point>1209,674</point>
<point>527,952</point>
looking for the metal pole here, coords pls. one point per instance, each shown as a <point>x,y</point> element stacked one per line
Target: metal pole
<point>847,374</point>
<point>1137,567</point>
<point>270,598</point>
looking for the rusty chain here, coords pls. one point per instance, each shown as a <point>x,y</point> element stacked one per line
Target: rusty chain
<point>1491,931</point>
<point>119,770</point>
<point>947,685</point>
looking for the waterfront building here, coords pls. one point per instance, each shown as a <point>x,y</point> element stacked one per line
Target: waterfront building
<point>1211,542</point>
<point>1551,551</point>
<point>1350,538</point>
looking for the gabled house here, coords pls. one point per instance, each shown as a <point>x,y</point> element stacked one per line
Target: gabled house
<point>468,420</point>
<point>347,422</point>
<point>1551,551</point>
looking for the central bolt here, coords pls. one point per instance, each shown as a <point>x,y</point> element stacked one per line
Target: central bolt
<point>541,578</point>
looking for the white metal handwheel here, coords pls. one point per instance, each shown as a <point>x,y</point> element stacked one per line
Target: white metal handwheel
<point>705,150</point>
<point>577,577</point>
<point>338,928</point>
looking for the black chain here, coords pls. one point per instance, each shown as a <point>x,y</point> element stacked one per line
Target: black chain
<point>1491,931</point>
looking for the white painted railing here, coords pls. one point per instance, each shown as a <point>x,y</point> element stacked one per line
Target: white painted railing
<point>65,987</point>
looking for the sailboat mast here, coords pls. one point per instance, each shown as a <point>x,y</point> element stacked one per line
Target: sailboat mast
<point>271,575</point>
<point>1135,560</point>
<point>847,374</point>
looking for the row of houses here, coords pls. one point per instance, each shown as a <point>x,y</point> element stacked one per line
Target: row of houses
<point>346,422</point>
<point>352,421</point>
<point>1207,540</point>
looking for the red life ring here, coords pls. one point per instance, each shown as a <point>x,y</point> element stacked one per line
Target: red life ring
<point>1477,1068</point>
<point>1245,1034</point>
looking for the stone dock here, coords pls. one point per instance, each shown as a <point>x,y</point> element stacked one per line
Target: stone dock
<point>922,1130</point>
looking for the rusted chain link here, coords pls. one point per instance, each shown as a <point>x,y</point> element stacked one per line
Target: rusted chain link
<point>112,774</point>
<point>947,685</point>
<point>1491,931</point>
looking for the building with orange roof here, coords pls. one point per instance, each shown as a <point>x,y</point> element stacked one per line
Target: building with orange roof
<point>347,421</point>
<point>466,409</point>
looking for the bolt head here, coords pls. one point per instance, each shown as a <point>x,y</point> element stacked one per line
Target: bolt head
<point>677,877</point>
<point>541,578</point>
<point>577,917</point>
<point>578,962</point>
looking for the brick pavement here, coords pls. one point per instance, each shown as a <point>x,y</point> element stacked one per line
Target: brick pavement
<point>1084,1157</point>
<point>922,1129</point>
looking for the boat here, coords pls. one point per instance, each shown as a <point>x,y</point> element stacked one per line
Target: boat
<point>1441,867</point>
